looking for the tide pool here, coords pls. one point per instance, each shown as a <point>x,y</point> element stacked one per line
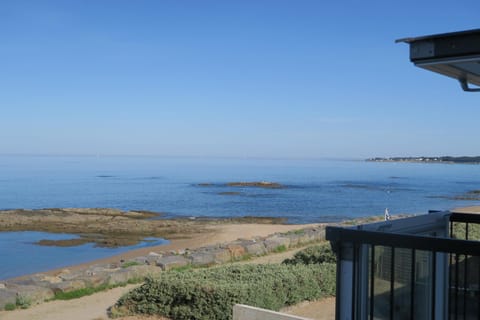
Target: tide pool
<point>20,255</point>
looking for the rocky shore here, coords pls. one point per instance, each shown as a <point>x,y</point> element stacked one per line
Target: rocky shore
<point>109,227</point>
<point>37,288</point>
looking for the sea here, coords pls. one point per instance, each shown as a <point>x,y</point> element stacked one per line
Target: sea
<point>320,190</point>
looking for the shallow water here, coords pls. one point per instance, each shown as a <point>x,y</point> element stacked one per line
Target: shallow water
<point>20,255</point>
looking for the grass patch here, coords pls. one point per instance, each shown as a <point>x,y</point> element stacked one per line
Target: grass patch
<point>299,232</point>
<point>211,293</point>
<point>20,302</point>
<point>280,249</point>
<point>185,268</point>
<point>245,257</point>
<point>80,292</point>
<point>75,294</point>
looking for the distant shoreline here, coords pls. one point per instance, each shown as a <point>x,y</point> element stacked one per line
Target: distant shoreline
<point>443,159</point>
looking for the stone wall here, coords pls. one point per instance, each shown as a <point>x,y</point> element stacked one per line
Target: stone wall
<point>40,287</point>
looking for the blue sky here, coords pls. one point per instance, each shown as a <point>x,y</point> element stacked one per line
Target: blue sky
<point>249,78</point>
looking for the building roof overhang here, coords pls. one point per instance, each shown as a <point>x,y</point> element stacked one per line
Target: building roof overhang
<point>456,55</point>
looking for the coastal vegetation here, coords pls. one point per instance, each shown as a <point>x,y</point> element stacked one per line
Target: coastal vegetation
<point>317,254</point>
<point>460,231</point>
<point>211,293</point>
<point>21,302</point>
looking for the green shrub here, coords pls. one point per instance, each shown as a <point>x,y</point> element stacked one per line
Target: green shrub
<point>281,248</point>
<point>460,231</point>
<point>315,254</point>
<point>211,293</point>
<point>23,302</point>
<point>10,307</point>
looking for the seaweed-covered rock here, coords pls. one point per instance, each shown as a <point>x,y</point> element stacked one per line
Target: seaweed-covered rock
<point>257,184</point>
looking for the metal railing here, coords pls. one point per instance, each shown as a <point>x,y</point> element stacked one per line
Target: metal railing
<point>408,276</point>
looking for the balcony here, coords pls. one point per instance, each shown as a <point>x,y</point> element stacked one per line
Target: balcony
<point>421,267</point>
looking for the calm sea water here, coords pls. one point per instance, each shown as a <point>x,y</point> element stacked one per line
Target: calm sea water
<point>317,191</point>
<point>21,256</point>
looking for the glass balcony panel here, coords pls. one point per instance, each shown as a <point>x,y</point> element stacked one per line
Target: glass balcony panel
<point>382,282</point>
<point>402,297</point>
<point>423,285</point>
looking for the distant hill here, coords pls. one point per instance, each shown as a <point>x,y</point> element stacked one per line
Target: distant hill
<point>445,159</point>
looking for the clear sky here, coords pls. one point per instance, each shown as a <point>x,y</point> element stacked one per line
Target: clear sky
<point>245,78</point>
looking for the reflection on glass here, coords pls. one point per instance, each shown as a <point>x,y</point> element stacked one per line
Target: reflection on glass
<point>464,286</point>
<point>402,283</point>
<point>472,287</point>
<point>411,281</point>
<point>423,285</point>
<point>381,282</point>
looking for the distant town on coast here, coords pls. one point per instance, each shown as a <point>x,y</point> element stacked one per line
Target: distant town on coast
<point>444,159</point>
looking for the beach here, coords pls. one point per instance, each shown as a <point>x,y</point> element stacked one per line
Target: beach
<point>95,307</point>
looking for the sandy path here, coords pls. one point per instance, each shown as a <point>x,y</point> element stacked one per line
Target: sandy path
<point>86,308</point>
<point>94,307</point>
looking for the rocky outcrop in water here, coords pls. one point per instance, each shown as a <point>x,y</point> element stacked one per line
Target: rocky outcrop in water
<point>259,184</point>
<point>254,184</point>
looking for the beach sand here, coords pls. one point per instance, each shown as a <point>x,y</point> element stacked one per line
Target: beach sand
<point>472,209</point>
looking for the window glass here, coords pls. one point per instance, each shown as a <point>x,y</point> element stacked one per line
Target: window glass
<point>381,282</point>
<point>423,285</point>
<point>402,296</point>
